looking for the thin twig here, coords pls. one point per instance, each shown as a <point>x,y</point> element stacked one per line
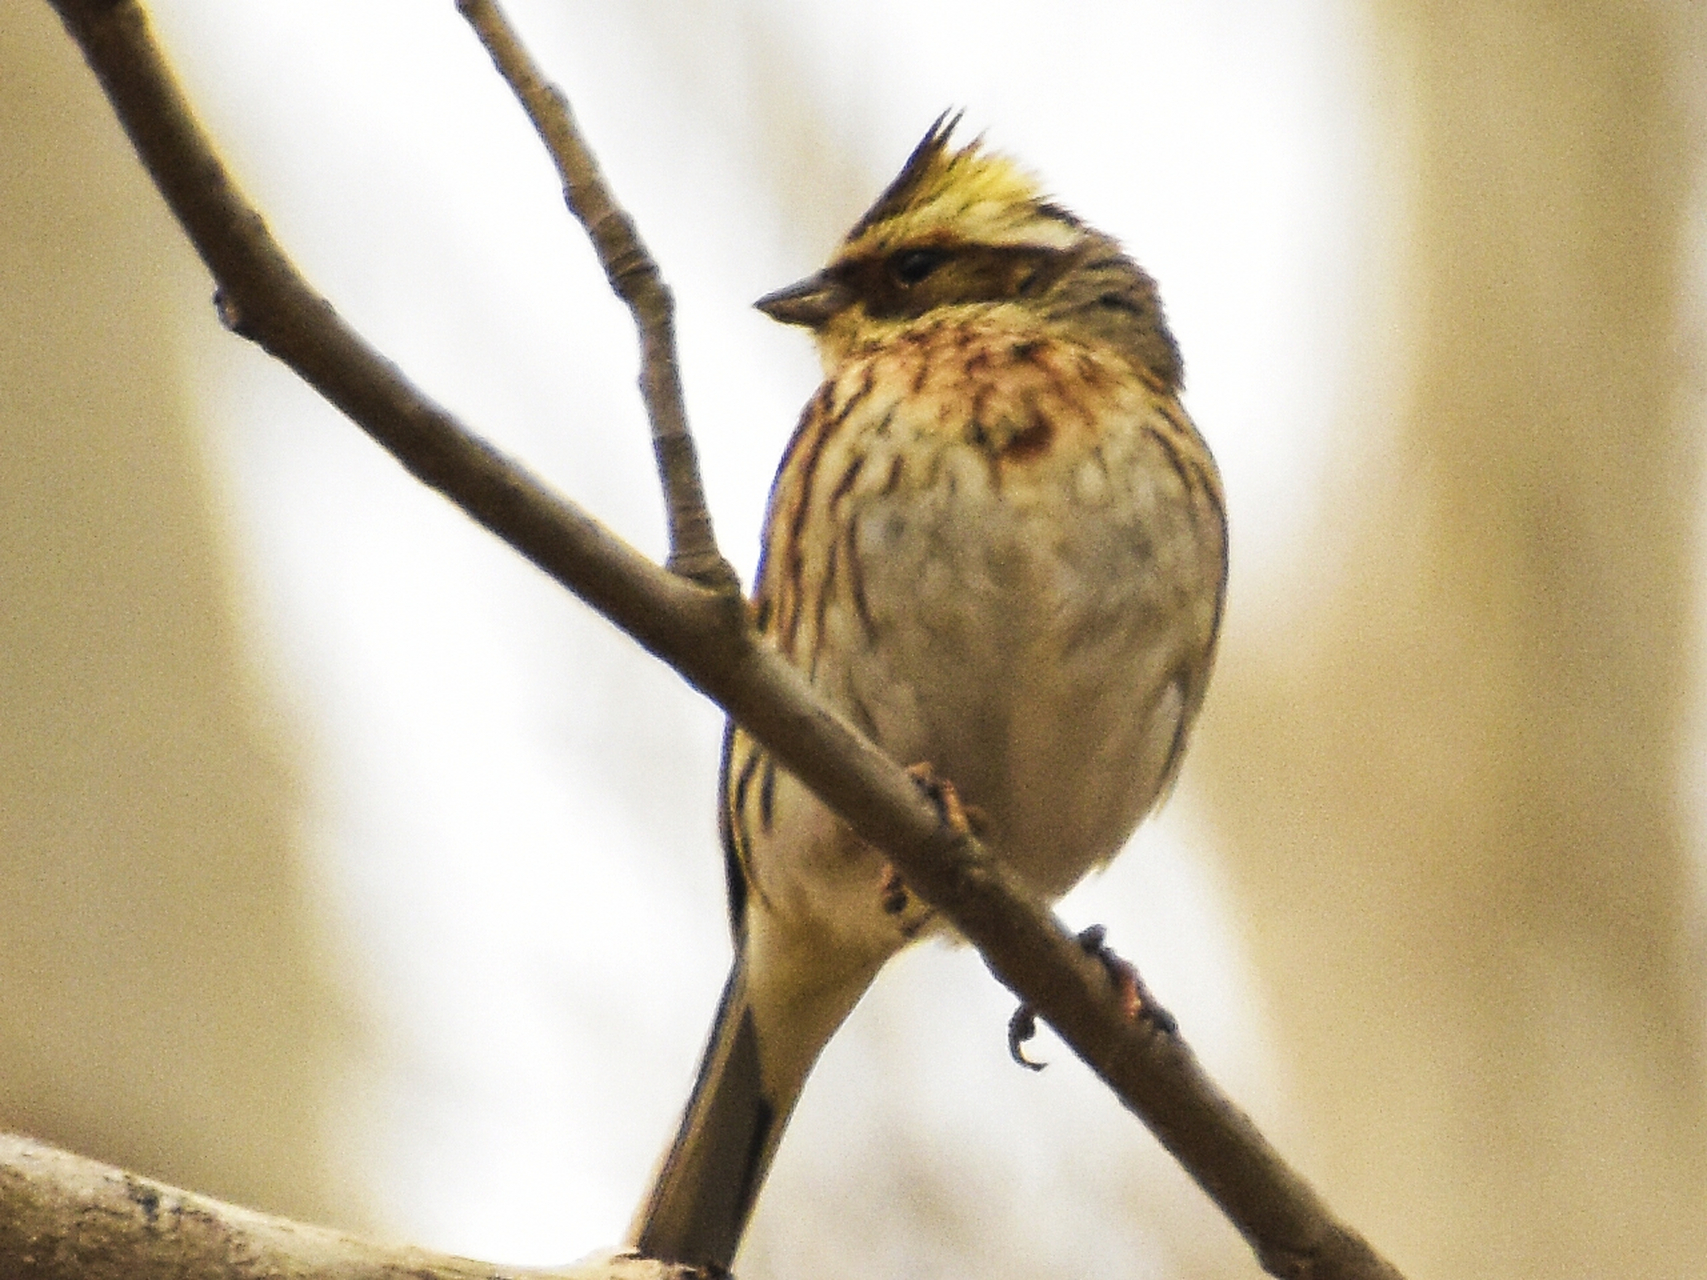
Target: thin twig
<point>703,633</point>
<point>636,280</point>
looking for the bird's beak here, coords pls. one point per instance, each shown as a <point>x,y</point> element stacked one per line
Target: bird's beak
<point>811,302</point>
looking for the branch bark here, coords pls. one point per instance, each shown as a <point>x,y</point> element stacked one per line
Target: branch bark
<point>63,1217</point>
<point>703,632</point>
<point>634,277</point>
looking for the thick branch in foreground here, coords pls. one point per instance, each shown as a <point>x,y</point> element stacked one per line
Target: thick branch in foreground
<point>704,634</point>
<point>66,1218</point>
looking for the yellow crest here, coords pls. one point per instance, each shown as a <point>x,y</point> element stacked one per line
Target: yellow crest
<point>969,196</point>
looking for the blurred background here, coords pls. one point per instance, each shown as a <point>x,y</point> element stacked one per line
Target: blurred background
<point>354,871</point>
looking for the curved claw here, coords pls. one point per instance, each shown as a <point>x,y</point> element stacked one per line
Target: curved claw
<point>1022,1027</point>
<point>1136,1002</point>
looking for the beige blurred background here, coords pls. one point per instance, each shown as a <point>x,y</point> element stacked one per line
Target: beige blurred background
<point>163,998</point>
<point>1458,793</point>
<point>1448,786</point>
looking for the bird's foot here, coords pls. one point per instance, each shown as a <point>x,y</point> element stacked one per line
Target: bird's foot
<point>1136,1002</point>
<point>962,819</point>
<point>895,895</point>
<point>957,817</point>
<point>910,913</point>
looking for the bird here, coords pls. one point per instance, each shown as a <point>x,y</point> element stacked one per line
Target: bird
<point>998,545</point>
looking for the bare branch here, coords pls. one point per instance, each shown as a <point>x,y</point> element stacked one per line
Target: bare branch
<point>63,1217</point>
<point>703,633</point>
<point>637,281</point>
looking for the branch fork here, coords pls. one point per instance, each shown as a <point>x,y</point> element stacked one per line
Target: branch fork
<point>692,615</point>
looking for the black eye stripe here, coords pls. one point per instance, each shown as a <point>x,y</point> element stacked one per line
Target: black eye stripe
<point>910,266</point>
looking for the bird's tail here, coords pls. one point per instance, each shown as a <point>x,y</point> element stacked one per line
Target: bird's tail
<point>706,1186</point>
<point>762,1046</point>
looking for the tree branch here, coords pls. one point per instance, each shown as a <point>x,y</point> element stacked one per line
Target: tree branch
<point>634,277</point>
<point>63,1217</point>
<point>703,632</point>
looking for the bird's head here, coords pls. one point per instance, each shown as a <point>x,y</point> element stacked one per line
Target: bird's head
<point>967,231</point>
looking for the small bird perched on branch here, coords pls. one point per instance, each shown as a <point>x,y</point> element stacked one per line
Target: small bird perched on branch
<point>997,544</point>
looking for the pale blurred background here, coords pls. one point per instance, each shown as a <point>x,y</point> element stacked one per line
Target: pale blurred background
<point>354,871</point>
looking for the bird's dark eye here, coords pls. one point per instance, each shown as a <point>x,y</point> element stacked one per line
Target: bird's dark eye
<point>912,265</point>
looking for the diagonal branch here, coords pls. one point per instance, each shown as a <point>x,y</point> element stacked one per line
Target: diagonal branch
<point>702,631</point>
<point>636,280</point>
